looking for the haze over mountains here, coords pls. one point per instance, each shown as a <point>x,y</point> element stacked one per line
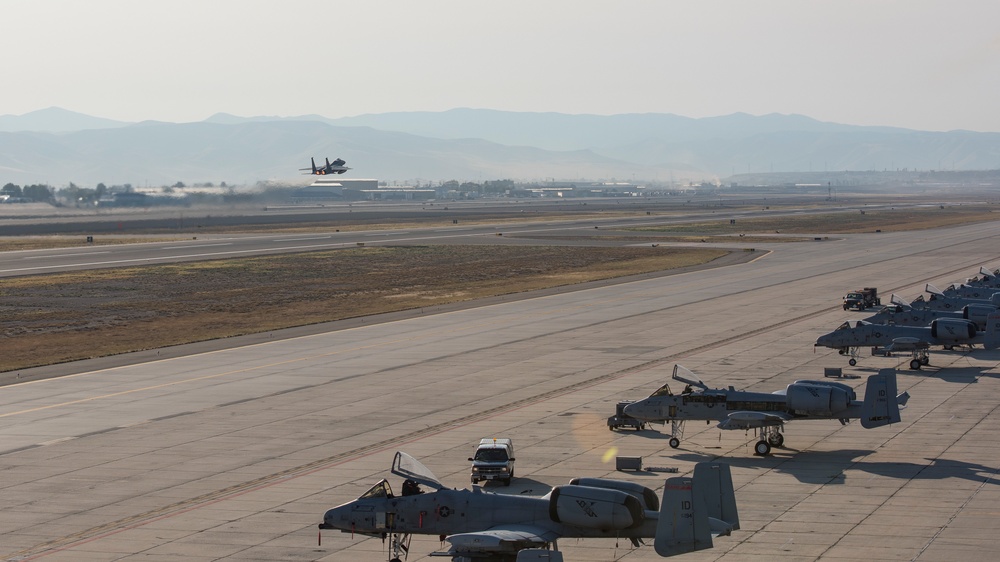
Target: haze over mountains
<point>56,146</point>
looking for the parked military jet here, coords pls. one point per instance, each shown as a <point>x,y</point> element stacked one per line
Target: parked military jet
<point>966,291</point>
<point>940,301</point>
<point>851,336</point>
<point>899,313</point>
<point>495,527</point>
<point>335,167</point>
<point>768,412</point>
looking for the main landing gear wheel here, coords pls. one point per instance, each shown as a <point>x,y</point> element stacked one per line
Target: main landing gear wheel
<point>852,362</point>
<point>674,442</point>
<point>915,364</point>
<point>776,440</point>
<point>761,449</point>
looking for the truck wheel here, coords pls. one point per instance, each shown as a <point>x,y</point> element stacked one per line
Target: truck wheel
<point>506,481</point>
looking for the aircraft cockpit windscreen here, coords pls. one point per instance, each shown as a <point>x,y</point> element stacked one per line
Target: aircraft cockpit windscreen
<point>411,469</point>
<point>844,326</point>
<point>896,300</point>
<point>662,391</point>
<point>380,490</point>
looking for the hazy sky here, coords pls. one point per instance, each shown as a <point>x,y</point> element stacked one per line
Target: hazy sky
<point>919,64</point>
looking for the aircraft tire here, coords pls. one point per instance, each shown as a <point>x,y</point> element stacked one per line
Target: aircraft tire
<point>762,449</point>
<point>915,364</point>
<point>852,362</point>
<point>674,442</point>
<point>925,360</point>
<point>777,440</point>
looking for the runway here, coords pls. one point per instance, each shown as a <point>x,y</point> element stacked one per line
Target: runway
<point>235,454</point>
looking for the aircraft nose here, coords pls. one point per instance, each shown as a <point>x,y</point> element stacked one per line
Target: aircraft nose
<point>641,410</point>
<point>338,518</point>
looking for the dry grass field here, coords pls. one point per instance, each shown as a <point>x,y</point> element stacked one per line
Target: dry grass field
<point>49,319</point>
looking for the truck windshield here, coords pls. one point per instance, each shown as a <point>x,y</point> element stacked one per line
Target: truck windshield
<point>491,455</point>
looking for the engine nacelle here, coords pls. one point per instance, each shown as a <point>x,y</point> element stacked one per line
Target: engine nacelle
<point>811,397</point>
<point>977,313</point>
<point>595,508</point>
<point>645,496</point>
<point>953,330</point>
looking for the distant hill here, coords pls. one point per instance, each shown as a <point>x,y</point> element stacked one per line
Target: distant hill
<point>163,153</point>
<point>467,145</point>
<point>55,120</point>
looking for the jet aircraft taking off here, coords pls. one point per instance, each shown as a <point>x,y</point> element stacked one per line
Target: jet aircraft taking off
<point>335,167</point>
<point>801,400</point>
<point>490,527</point>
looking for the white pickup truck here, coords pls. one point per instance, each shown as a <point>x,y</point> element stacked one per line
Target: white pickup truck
<point>494,460</point>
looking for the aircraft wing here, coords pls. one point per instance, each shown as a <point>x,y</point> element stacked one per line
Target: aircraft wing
<point>749,420</point>
<point>501,539</point>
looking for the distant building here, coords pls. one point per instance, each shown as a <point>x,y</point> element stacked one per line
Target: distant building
<point>342,189</point>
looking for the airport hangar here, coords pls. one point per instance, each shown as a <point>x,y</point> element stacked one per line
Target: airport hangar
<point>235,454</point>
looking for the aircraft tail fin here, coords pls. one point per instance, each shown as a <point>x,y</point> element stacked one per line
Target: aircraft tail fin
<point>313,160</point>
<point>881,405</point>
<point>992,338</point>
<point>695,509</point>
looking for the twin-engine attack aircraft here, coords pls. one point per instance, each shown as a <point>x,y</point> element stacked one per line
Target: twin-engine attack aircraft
<point>768,412</point>
<point>335,167</point>
<point>899,313</point>
<point>940,301</point>
<point>488,527</point>
<point>949,333</point>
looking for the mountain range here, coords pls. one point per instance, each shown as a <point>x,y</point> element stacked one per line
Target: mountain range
<point>56,146</point>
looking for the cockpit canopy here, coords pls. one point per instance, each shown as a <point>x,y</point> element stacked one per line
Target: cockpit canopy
<point>411,469</point>
<point>662,391</point>
<point>380,490</point>
<point>851,324</point>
